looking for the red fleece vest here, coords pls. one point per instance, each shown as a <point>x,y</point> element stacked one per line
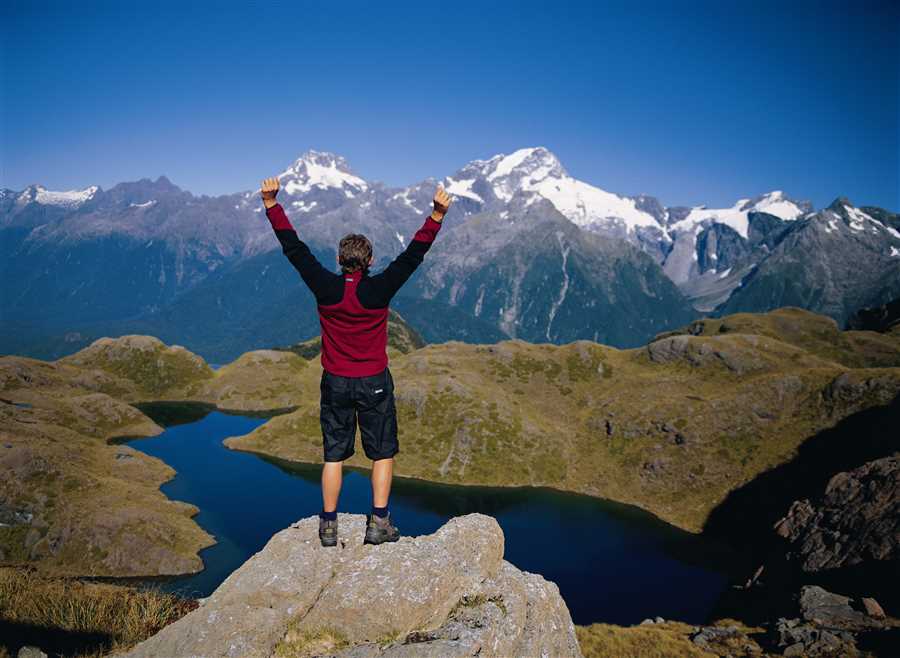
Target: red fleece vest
<point>354,338</point>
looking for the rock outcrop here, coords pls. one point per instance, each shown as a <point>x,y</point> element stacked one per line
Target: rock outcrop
<point>827,625</point>
<point>855,520</point>
<point>450,593</point>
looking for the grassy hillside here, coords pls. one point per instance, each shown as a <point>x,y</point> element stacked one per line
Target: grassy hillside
<point>817,334</point>
<point>72,502</point>
<point>153,367</point>
<point>664,639</point>
<point>671,427</point>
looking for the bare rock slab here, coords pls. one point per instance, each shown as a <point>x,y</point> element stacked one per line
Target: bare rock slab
<point>450,593</point>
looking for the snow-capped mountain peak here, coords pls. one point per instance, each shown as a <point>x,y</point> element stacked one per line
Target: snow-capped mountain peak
<point>533,163</point>
<point>503,174</point>
<point>67,199</point>
<point>320,169</point>
<point>776,203</point>
<point>536,173</point>
<point>857,220</point>
<point>516,172</point>
<point>737,216</point>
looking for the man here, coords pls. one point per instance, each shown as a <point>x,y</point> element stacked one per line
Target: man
<point>356,383</point>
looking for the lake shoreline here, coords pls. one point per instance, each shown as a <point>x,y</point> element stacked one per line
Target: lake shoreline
<point>707,565</point>
<point>271,413</point>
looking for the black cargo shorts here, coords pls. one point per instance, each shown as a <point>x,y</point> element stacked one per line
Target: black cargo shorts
<point>371,400</point>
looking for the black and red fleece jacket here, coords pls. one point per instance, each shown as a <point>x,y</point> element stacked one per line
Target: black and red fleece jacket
<point>353,308</point>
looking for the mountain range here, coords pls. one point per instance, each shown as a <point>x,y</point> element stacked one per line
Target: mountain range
<point>527,251</point>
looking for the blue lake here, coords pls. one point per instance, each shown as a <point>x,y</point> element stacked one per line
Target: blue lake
<point>613,563</point>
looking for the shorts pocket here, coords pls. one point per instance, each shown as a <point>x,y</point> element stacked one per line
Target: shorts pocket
<point>377,391</point>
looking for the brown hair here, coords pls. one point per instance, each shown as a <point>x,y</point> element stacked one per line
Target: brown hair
<point>354,253</point>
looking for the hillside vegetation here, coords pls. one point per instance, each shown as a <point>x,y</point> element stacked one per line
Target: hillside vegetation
<point>73,502</point>
<point>817,334</point>
<point>672,427</point>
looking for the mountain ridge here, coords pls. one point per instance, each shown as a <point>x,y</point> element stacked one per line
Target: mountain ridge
<point>121,259</point>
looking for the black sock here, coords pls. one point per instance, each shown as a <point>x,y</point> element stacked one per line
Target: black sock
<point>380,511</point>
<point>328,516</point>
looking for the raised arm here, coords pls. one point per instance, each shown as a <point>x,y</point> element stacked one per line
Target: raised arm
<point>311,270</point>
<point>387,283</point>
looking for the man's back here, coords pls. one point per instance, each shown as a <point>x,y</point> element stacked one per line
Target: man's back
<point>353,306</point>
<point>354,333</point>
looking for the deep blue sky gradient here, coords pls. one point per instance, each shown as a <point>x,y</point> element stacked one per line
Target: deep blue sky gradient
<point>693,102</point>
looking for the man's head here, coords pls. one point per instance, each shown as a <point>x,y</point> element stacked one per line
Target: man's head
<point>354,253</point>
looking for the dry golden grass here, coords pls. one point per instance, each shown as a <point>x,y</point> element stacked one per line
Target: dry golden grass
<point>663,640</point>
<point>122,615</point>
<point>307,643</point>
<point>650,641</point>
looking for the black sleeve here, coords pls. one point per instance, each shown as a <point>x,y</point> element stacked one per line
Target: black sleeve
<point>381,288</point>
<point>323,284</point>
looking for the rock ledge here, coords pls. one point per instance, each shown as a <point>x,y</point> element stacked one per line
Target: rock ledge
<point>450,593</point>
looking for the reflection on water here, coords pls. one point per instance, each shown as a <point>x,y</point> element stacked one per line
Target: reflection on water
<point>612,562</point>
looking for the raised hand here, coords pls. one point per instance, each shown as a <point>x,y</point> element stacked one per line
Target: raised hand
<point>269,191</point>
<point>442,202</point>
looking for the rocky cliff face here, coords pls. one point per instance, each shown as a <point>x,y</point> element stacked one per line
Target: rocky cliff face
<point>856,519</point>
<point>446,594</point>
<point>844,538</point>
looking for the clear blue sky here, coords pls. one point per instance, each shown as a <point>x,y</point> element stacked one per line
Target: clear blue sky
<point>695,103</point>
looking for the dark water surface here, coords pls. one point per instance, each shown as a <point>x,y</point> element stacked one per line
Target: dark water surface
<point>612,562</point>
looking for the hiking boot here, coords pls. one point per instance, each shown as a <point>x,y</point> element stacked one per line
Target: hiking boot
<point>380,530</point>
<point>328,532</point>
